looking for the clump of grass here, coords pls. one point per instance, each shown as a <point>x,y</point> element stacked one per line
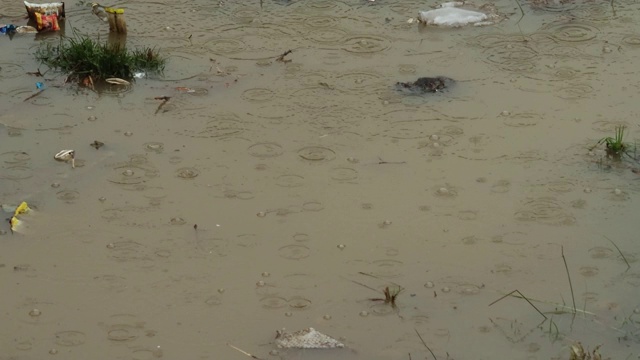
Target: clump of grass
<point>389,296</point>
<point>615,147</point>
<point>81,57</point>
<point>579,353</point>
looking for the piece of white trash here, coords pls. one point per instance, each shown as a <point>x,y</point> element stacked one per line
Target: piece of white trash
<point>451,16</point>
<point>308,338</point>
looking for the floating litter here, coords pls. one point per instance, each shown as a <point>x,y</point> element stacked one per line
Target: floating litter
<point>451,16</point>
<point>117,81</point>
<point>308,338</point>
<point>14,221</point>
<point>66,155</point>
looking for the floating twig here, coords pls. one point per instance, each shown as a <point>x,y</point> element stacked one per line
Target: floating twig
<point>34,95</point>
<point>281,57</point>
<point>164,99</point>
<point>367,286</point>
<point>242,351</point>
<point>620,252</point>
<point>425,345</point>
<point>521,11</point>
<point>35,73</point>
<point>569,277</point>
<point>524,297</point>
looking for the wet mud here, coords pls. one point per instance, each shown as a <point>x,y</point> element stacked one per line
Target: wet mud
<point>237,195</point>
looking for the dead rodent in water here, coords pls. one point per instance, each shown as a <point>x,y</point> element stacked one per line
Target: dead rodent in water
<point>427,84</point>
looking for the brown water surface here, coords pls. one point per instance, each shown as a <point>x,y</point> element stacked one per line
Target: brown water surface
<point>315,184</point>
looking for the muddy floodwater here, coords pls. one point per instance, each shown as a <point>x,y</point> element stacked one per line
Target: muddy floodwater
<point>289,194</point>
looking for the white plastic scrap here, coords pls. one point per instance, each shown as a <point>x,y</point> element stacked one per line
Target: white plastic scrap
<point>451,14</point>
<point>308,338</point>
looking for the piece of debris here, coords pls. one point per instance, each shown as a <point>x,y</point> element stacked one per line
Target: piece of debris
<point>457,14</point>
<point>281,57</point>
<point>164,99</point>
<point>46,16</point>
<point>427,84</point>
<point>66,156</point>
<point>579,353</point>
<point>185,89</point>
<point>14,221</point>
<point>97,144</point>
<point>306,339</point>
<point>98,10</point>
<point>117,81</point>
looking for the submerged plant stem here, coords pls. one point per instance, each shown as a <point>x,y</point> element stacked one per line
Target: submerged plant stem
<point>569,277</point>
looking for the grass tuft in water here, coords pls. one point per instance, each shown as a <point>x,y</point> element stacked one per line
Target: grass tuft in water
<point>615,147</point>
<point>81,56</point>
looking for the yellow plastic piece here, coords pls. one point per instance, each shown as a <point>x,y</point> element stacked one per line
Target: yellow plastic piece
<point>22,209</point>
<point>114,11</point>
<point>14,223</point>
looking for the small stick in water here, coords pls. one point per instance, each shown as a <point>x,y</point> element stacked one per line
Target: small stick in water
<point>244,352</point>
<point>281,57</point>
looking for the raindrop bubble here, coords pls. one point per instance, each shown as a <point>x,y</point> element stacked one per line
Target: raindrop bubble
<point>92,118</point>
<point>55,185</point>
<point>127,172</point>
<point>443,191</point>
<point>342,246</point>
<point>90,107</point>
<point>35,312</point>
<point>53,351</point>
<point>429,284</point>
<point>102,199</point>
<point>327,317</point>
<point>386,222</point>
<point>288,314</point>
<point>617,191</point>
<point>364,313</point>
<point>266,274</point>
<point>261,214</point>
<point>505,113</point>
<point>446,289</point>
<point>352,160</point>
<point>587,190</point>
<point>435,137</point>
<point>221,290</point>
<point>260,283</point>
<point>128,133</point>
<point>385,102</point>
<point>111,246</point>
<point>436,145</point>
<point>636,311</point>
